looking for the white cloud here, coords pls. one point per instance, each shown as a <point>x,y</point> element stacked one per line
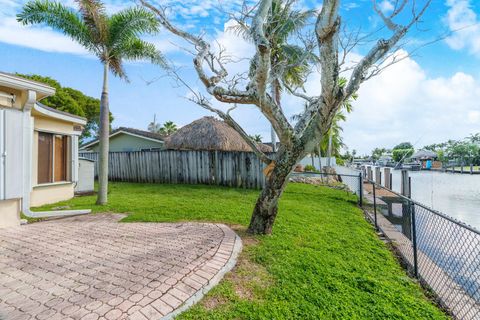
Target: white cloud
<point>473,117</point>
<point>404,104</point>
<point>401,104</point>
<point>44,39</point>
<point>237,49</point>
<point>386,6</point>
<point>351,5</point>
<point>464,23</point>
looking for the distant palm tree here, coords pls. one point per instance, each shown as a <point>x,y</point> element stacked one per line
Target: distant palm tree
<point>154,126</point>
<point>332,142</point>
<point>168,128</point>
<point>111,38</point>
<point>474,138</point>
<point>257,138</point>
<point>292,61</point>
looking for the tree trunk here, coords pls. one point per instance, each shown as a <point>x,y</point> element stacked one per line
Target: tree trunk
<point>266,208</point>
<point>329,150</point>
<point>274,139</point>
<point>102,197</point>
<point>276,95</point>
<point>320,157</point>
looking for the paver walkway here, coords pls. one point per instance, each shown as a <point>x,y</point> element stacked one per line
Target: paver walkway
<point>93,267</point>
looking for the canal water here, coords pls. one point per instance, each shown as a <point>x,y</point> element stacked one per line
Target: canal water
<point>453,248</point>
<point>456,195</point>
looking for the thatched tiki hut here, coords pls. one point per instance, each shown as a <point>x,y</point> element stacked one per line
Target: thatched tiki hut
<point>209,134</point>
<point>427,159</point>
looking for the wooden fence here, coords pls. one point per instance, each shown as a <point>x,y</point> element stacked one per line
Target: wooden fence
<point>233,169</point>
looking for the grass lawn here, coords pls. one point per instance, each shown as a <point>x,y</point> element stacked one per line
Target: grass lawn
<point>467,168</point>
<point>323,260</point>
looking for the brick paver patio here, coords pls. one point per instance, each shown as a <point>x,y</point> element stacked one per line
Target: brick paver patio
<point>93,267</point>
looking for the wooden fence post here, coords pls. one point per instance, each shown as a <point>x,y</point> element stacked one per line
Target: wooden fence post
<point>387,178</point>
<point>378,176</point>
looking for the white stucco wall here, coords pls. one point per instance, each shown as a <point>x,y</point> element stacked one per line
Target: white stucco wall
<point>9,213</point>
<point>10,209</point>
<point>47,194</point>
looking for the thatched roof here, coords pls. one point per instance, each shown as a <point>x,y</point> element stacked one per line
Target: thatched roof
<point>424,154</point>
<point>209,133</point>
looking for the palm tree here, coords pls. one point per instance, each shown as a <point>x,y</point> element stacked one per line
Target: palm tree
<point>335,141</point>
<point>154,126</point>
<point>112,39</point>
<point>332,142</point>
<point>168,128</point>
<point>257,138</point>
<point>474,138</point>
<point>292,62</point>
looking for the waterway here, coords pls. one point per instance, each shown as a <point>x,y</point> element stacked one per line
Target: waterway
<point>456,195</point>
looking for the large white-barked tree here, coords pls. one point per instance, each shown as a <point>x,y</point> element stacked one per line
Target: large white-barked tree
<point>299,139</point>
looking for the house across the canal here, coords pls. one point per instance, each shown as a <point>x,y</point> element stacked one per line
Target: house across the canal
<point>427,159</point>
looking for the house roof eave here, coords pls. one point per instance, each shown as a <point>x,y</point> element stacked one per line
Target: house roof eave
<point>19,83</point>
<point>96,141</point>
<point>57,114</point>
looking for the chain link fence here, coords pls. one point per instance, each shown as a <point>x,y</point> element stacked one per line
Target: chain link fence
<point>443,253</point>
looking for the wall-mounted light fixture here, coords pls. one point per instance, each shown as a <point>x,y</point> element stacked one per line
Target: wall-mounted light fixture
<point>8,96</point>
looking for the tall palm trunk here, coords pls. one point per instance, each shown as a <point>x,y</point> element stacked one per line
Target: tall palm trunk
<point>320,157</point>
<point>102,197</point>
<point>329,150</point>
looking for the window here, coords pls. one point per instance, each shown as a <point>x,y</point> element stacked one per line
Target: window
<point>52,158</point>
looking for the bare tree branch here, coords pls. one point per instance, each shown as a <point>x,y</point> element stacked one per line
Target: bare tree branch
<point>263,48</point>
<point>255,92</point>
<point>327,30</point>
<point>203,102</point>
<point>381,48</point>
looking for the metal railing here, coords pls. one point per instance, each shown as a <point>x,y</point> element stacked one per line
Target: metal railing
<point>442,252</point>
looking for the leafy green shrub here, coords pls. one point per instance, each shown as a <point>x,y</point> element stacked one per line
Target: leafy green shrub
<point>310,168</point>
<point>399,154</point>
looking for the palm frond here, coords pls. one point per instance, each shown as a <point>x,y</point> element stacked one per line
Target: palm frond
<point>137,49</point>
<point>242,30</point>
<point>129,23</point>
<point>59,17</point>
<point>115,65</point>
<point>95,18</point>
<point>293,22</point>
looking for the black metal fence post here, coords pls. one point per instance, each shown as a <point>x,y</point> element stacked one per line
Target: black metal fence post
<point>391,182</point>
<point>410,187</point>
<point>414,240</point>
<point>360,196</point>
<point>375,206</point>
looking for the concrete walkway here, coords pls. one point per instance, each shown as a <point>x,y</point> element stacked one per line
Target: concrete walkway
<point>93,267</point>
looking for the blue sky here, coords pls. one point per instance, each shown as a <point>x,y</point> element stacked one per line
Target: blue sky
<point>429,97</point>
